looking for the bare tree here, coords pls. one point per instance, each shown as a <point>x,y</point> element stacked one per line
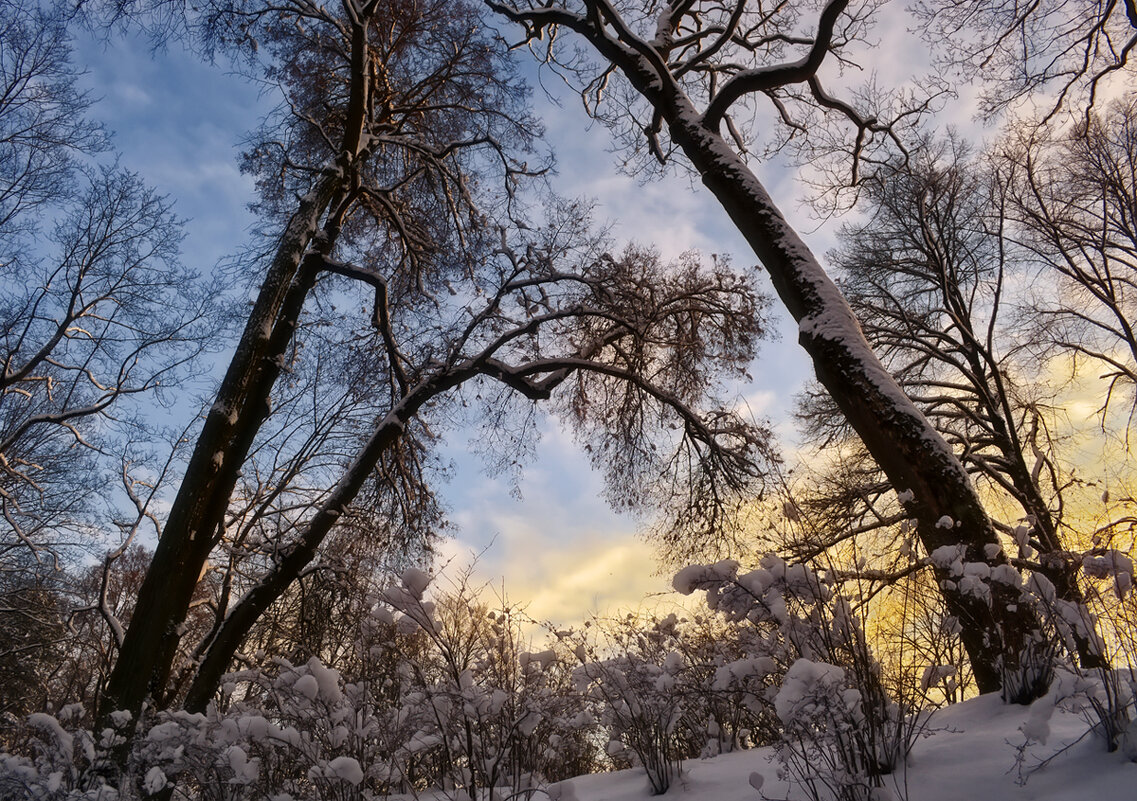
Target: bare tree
<point>390,188</point>
<point>535,348</point>
<point>1067,47</point>
<point>694,68</point>
<point>43,123</point>
<point>97,320</point>
<point>927,274</point>
<point>33,638</point>
<point>1072,202</point>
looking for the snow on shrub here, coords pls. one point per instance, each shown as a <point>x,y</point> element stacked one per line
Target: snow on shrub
<point>51,758</point>
<point>670,689</point>
<point>840,733</point>
<point>486,709</point>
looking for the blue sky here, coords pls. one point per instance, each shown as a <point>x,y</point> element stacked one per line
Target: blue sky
<point>179,123</point>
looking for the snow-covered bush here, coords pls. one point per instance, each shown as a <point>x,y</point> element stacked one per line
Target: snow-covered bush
<point>671,688</point>
<point>296,731</point>
<point>442,698</point>
<point>494,716</point>
<point>287,731</point>
<point>640,709</point>
<point>1110,574</point>
<point>841,732</point>
<point>51,758</point>
<point>1102,688</point>
<point>822,719</point>
<point>439,695</point>
<point>733,670</point>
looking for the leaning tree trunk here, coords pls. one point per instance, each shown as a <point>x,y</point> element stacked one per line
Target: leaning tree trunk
<point>197,515</point>
<point>912,454</point>
<point>945,506</point>
<point>144,662</point>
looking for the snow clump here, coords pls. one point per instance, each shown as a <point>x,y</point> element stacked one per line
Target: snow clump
<point>806,685</point>
<point>346,768</point>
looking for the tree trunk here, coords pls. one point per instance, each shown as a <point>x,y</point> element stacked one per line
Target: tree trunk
<point>198,512</point>
<point>909,451</point>
<point>912,454</point>
<point>143,665</point>
<point>245,613</point>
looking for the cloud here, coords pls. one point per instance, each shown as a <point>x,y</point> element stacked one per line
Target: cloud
<point>565,586</point>
<point>129,94</point>
<point>560,550</point>
<point>178,122</point>
<point>757,402</point>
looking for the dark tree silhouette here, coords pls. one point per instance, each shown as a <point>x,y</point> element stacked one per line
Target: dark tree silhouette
<point>391,186</point>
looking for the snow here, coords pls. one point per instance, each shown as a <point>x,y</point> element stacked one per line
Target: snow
<point>155,780</point>
<point>948,557</point>
<point>41,720</point>
<point>539,661</point>
<point>1005,574</point>
<point>804,682</point>
<point>55,781</point>
<point>1042,587</point>
<point>687,580</point>
<point>245,770</point>
<point>972,752</point>
<point>1111,563</point>
<point>346,768</point>
<point>934,674</point>
<point>307,686</point>
<point>328,680</point>
<point>562,791</point>
<point>416,581</point>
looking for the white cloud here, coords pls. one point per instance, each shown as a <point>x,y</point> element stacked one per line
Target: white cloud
<point>559,549</point>
<point>130,94</point>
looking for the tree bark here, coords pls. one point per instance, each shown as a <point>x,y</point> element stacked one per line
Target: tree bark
<point>143,665</point>
<point>197,515</point>
<point>911,453</point>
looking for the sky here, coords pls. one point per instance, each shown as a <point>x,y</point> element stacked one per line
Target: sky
<point>558,548</point>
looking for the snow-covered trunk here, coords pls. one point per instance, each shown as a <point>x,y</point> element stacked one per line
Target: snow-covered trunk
<point>908,449</point>
<point>912,454</point>
<point>144,662</point>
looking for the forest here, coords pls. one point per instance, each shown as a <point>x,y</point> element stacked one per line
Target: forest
<point>222,485</point>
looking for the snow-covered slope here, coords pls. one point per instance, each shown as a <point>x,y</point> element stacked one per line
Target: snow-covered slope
<point>969,756</point>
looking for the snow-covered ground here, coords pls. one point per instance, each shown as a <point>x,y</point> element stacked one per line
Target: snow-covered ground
<point>970,755</point>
